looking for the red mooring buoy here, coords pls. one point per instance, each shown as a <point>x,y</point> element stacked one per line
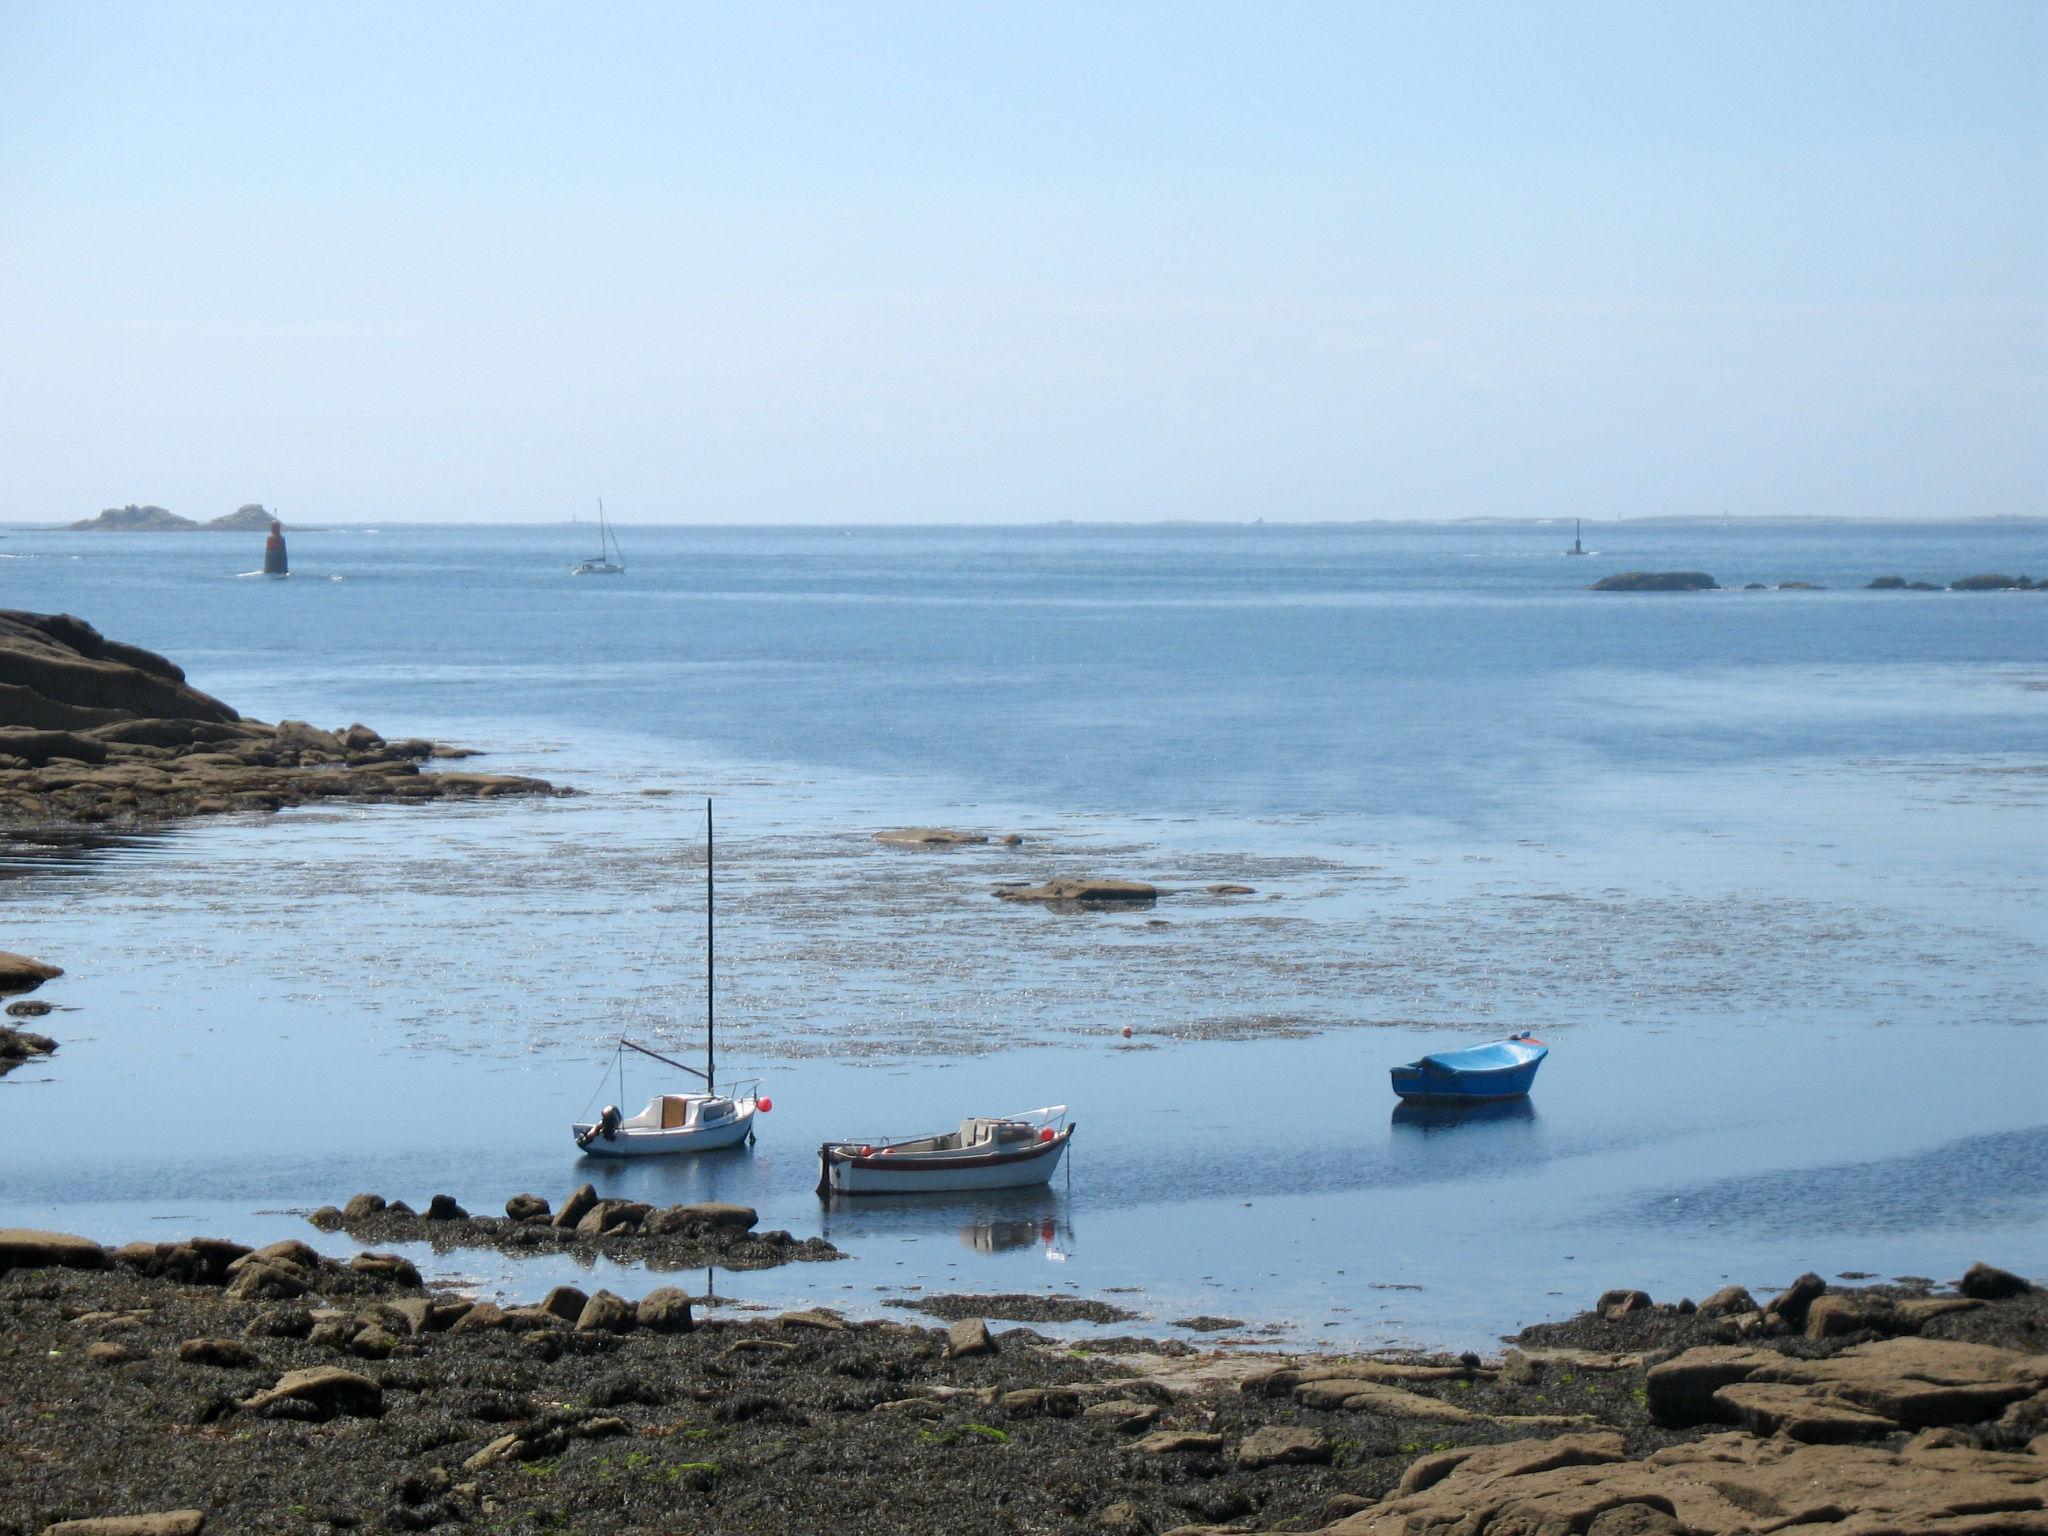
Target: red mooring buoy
<point>274,561</point>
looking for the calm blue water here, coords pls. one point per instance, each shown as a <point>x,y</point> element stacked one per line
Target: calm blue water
<point>1764,868</point>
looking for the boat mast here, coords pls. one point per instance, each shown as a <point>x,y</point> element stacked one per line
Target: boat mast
<point>710,953</point>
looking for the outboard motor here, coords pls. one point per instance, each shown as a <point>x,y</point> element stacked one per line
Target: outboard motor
<point>607,1126</point>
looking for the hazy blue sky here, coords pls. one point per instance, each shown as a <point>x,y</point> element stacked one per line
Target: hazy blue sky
<point>961,262</point>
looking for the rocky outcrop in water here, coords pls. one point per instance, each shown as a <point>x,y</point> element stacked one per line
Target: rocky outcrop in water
<point>19,973</point>
<point>92,730</point>
<point>585,1227</point>
<point>1070,893</point>
<point>1657,581</point>
<point>1992,582</point>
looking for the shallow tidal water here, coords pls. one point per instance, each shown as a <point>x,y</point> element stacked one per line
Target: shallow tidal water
<point>1763,869</point>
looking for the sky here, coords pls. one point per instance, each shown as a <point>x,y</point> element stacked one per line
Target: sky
<point>961,263</point>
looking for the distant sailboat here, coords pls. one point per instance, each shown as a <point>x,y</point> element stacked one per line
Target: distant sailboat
<point>1577,548</point>
<point>607,546</point>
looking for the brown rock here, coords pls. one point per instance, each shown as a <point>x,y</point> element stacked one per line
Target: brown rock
<point>27,1248</point>
<point>1769,1408</point>
<point>526,1208</point>
<point>606,1313</point>
<point>1681,1391</point>
<point>1981,1282</point>
<point>362,1206</point>
<point>1619,1304</point>
<point>969,1336</point>
<point>394,1267</point>
<point>565,1302</point>
<point>1723,1485</point>
<point>373,1343</point>
<point>289,1251</point>
<point>1361,1396</point>
<point>1917,1312</point>
<point>813,1317</point>
<point>928,837</point>
<point>227,1353</point>
<point>1127,1414</point>
<point>1729,1299</point>
<point>1042,1402</point>
<point>664,1309</point>
<point>1635,1520</point>
<point>269,1282</point>
<point>573,1209</point>
<point>1174,1442</point>
<point>1834,1315</point>
<point>445,1208</point>
<point>1083,892</point>
<point>171,1522</point>
<point>718,1213</point>
<point>484,1315</point>
<point>1282,1445</point>
<point>331,1390</point>
<point>1791,1305</point>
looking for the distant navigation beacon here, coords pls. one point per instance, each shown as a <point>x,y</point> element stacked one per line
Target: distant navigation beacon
<point>274,562</point>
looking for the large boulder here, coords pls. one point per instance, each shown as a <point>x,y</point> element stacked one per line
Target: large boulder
<point>27,1248</point>
<point>65,661</point>
<point>665,1309</point>
<point>18,973</point>
<point>1985,1282</point>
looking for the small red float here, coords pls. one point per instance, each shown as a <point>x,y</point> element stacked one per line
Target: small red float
<point>1127,1031</point>
<point>867,1151</point>
<point>764,1104</point>
<point>1045,1133</point>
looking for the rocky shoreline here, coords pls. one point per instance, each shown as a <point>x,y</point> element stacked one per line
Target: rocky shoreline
<point>197,1385</point>
<point>96,732</point>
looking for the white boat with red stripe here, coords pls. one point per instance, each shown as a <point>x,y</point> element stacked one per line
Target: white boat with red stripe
<point>987,1152</point>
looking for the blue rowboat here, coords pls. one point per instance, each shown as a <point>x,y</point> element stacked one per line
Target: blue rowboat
<point>1479,1074</point>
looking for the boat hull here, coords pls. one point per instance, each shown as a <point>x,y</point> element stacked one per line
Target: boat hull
<point>666,1143</point>
<point>1483,1074</point>
<point>842,1171</point>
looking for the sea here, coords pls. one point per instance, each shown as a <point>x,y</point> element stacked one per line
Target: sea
<point>1764,869</point>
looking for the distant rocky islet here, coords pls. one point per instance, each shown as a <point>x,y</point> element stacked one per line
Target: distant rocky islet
<point>251,517</point>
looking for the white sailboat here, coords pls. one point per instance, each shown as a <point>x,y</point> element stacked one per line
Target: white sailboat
<point>680,1122</point>
<point>607,546</point>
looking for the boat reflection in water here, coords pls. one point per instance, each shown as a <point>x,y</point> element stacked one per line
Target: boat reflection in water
<point>1002,1234</point>
<point>1438,1119</point>
<point>1006,1223</point>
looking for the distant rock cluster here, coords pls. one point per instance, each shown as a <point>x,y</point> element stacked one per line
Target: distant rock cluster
<point>93,731</point>
<point>248,518</point>
<point>1700,581</point>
